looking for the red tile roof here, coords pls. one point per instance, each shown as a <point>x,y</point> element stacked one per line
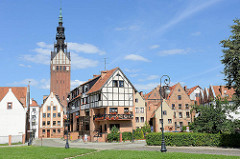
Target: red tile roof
<point>19,92</point>
<point>171,90</point>
<point>34,103</point>
<point>191,90</point>
<point>102,80</point>
<point>223,92</point>
<point>146,96</point>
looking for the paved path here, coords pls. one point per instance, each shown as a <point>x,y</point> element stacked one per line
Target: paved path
<point>139,145</point>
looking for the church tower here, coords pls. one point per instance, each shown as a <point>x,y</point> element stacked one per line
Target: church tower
<point>60,65</point>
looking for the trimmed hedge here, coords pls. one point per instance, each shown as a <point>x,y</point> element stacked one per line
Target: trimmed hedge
<point>194,139</point>
<point>127,136</point>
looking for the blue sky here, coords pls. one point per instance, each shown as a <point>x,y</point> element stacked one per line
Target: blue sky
<point>145,38</point>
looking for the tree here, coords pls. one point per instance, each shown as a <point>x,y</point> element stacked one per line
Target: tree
<point>231,60</point>
<point>212,118</point>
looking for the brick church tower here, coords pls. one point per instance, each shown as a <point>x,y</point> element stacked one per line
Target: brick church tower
<point>60,65</point>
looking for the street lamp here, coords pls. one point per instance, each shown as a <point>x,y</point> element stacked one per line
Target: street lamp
<point>67,124</point>
<point>167,91</point>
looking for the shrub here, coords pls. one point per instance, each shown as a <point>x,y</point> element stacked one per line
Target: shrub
<point>138,134</point>
<point>127,136</point>
<point>114,135</point>
<point>194,139</point>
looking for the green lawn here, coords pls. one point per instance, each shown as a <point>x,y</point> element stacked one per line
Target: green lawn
<point>126,154</point>
<point>60,153</point>
<point>40,152</point>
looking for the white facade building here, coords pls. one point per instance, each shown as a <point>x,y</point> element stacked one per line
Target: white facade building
<point>34,118</point>
<point>13,110</point>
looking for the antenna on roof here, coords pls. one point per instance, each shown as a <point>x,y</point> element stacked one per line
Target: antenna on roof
<point>105,64</point>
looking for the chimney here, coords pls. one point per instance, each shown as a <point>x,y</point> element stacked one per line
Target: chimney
<point>185,88</point>
<point>103,73</point>
<point>221,90</point>
<point>141,93</point>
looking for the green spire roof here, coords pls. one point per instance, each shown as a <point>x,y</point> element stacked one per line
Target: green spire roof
<point>60,16</point>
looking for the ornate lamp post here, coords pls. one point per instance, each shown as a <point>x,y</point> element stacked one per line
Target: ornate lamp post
<point>67,123</point>
<point>167,91</point>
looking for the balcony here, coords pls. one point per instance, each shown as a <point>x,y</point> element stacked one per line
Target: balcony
<point>113,117</point>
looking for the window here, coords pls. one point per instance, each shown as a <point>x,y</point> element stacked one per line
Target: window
<point>48,115</point>
<point>126,110</point>
<point>169,121</point>
<point>121,83</point>
<point>48,122</point>
<point>64,68</point>
<point>115,83</point>
<point>113,110</point>
<point>43,131</point>
<point>187,107</point>
<point>180,114</point>
<point>44,115</point>
<point>54,115</point>
<point>48,108</point>
<point>173,106</point>
<point>137,110</point>
<point>54,123</point>
<point>58,123</point>
<point>59,114</point>
<point>105,127</point>
<point>60,68</point>
<point>9,105</point>
<point>136,100</point>
<point>59,130</point>
<point>54,107</point>
<point>34,109</point>
<point>54,130</point>
<point>187,115</point>
<point>43,123</point>
<point>137,119</point>
<point>164,112</point>
<point>142,119</point>
<point>174,115</point>
<point>179,97</point>
<point>179,90</point>
<point>179,106</point>
<point>57,68</point>
<point>142,110</point>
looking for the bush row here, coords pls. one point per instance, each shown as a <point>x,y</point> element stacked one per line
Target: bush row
<point>194,139</point>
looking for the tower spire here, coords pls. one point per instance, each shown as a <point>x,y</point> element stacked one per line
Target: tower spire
<point>60,16</point>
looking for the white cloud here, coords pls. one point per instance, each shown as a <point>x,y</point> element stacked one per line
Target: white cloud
<point>79,62</point>
<point>135,57</point>
<point>154,47</point>
<point>76,83</point>
<point>134,75</point>
<point>42,84</point>
<point>43,53</point>
<point>22,65</point>
<point>189,11</point>
<point>146,87</point>
<point>173,52</point>
<point>131,70</point>
<point>130,28</point>
<point>196,33</point>
<point>44,45</point>
<point>149,78</point>
<point>85,48</point>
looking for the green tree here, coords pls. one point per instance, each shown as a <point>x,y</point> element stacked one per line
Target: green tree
<point>146,128</point>
<point>231,60</point>
<point>212,118</point>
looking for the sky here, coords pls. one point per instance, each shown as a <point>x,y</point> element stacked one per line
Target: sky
<point>145,38</point>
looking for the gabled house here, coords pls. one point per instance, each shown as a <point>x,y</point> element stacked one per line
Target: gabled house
<point>140,110</point>
<point>13,111</point>
<point>51,117</point>
<point>34,118</point>
<point>106,100</point>
<point>194,94</point>
<point>180,103</point>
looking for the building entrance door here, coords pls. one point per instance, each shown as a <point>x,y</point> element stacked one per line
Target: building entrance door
<point>48,133</point>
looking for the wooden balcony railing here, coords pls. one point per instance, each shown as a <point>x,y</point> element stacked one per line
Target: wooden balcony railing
<point>113,117</point>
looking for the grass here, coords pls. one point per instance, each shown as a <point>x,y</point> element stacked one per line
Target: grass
<point>60,153</point>
<point>127,154</point>
<point>40,152</point>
